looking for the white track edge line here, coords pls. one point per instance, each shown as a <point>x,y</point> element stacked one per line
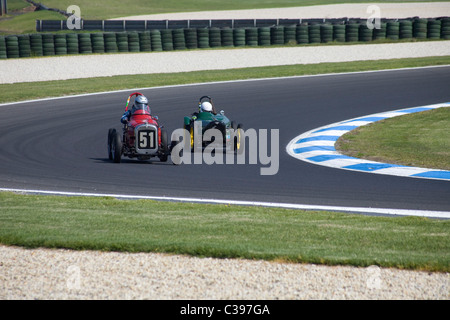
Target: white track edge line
<point>382,211</point>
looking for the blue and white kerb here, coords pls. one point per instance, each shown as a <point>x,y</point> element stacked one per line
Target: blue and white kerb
<point>318,146</point>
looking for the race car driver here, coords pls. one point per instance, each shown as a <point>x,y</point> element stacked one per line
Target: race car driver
<point>140,103</point>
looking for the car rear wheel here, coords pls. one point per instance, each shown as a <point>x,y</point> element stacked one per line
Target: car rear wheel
<point>110,134</point>
<point>239,146</point>
<point>116,147</point>
<point>164,146</point>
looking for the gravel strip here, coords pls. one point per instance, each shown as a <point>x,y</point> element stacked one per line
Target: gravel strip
<point>87,66</point>
<point>63,274</point>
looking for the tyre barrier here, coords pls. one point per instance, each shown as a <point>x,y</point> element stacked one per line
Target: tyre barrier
<point>393,30</point>
<point>251,37</point>
<point>239,37</point>
<point>352,32</point>
<point>36,45</point>
<point>339,32</point>
<point>445,29</point>
<point>60,44</point>
<point>110,41</point>
<point>434,29</point>
<point>84,43</point>
<point>122,41</point>
<point>155,40</point>
<point>264,36</point>
<point>215,38</point>
<point>203,38</point>
<point>145,42</point>
<point>314,32</point>
<point>326,33</point>
<point>48,45</point>
<point>3,54</point>
<point>226,35</point>
<point>73,43</point>
<point>24,46</point>
<point>133,42</point>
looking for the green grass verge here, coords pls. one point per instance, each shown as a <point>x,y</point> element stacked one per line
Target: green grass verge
<point>26,23</point>
<point>14,5</point>
<point>419,140</point>
<point>35,90</point>
<point>223,231</point>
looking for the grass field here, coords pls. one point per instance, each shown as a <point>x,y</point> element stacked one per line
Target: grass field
<point>224,231</point>
<point>418,140</point>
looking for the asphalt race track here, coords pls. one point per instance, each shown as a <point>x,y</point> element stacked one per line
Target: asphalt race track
<point>61,144</point>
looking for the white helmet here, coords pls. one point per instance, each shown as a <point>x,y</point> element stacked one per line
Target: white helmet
<point>206,106</point>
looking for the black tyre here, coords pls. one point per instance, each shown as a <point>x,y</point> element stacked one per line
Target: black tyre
<point>110,134</point>
<point>116,147</point>
<point>164,146</point>
<point>239,142</point>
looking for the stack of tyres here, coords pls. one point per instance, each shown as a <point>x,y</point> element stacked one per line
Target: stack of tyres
<point>264,36</point>
<point>314,33</point>
<point>110,42</point>
<point>277,35</point>
<point>48,45</point>
<point>179,41</point>
<point>84,43</point>
<point>190,36</point>
<point>339,32</point>
<point>406,29</point>
<point>60,44</point>
<point>226,35</point>
<point>145,43</point>
<point>380,33</point>
<point>155,39</point>
<point>420,28</point>
<point>445,28</point>
<point>352,32</point>
<point>434,29</point>
<point>3,54</point>
<point>98,42</point>
<point>167,39</point>
<point>203,38</point>
<point>290,34</point>
<point>326,33</point>
<point>72,43</point>
<point>215,38</point>
<point>393,30</point>
<point>251,37</point>
<point>36,45</point>
<point>239,37</point>
<point>24,46</point>
<point>122,41</point>
<point>301,34</point>
<point>133,42</point>
<point>365,33</point>
<point>12,46</point>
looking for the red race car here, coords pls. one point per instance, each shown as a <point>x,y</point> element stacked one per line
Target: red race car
<point>142,137</point>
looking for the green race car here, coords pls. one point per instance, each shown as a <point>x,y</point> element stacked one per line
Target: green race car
<point>209,128</point>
